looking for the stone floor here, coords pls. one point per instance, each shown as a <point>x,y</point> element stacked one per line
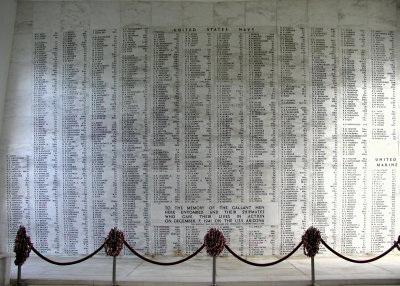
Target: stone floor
<point>198,271</point>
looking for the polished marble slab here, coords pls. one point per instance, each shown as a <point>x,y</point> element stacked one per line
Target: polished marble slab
<point>197,271</point>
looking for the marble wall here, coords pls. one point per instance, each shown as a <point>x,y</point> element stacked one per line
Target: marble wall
<point>167,118</point>
<point>7,16</point>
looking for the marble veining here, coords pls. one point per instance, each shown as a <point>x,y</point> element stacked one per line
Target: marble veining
<point>261,13</point>
<point>166,14</point>
<point>382,15</point>
<point>198,14</point>
<point>104,15</point>
<point>291,12</point>
<point>136,13</point>
<point>323,13</point>
<point>229,14</point>
<point>353,12</point>
<point>75,15</point>
<point>46,16</point>
<point>24,18</point>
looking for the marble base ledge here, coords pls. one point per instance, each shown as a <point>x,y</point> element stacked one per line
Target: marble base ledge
<point>5,264</point>
<point>295,271</point>
<point>350,282</point>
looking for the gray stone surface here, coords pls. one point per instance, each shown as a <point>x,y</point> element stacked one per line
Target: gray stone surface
<point>197,271</point>
<point>5,261</point>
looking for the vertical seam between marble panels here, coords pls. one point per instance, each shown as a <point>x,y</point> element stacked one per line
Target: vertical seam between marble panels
<point>136,267</point>
<point>245,10</point>
<point>338,86</point>
<point>278,189</point>
<point>309,145</point>
<point>213,11</point>
<point>181,5</point>
<point>151,15</point>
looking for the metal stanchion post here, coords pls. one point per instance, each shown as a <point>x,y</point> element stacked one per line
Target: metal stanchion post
<point>114,283</point>
<point>214,271</point>
<point>313,272</point>
<point>19,276</point>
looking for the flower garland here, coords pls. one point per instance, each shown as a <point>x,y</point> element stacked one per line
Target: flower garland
<point>22,246</point>
<point>214,241</point>
<point>311,240</point>
<point>114,242</point>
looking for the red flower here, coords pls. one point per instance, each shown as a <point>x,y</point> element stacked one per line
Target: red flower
<point>311,240</point>
<point>22,246</point>
<point>214,241</point>
<point>114,242</point>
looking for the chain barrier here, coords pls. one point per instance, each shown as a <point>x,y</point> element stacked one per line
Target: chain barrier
<point>66,263</point>
<point>263,264</point>
<point>395,245</point>
<point>163,263</point>
<point>214,242</point>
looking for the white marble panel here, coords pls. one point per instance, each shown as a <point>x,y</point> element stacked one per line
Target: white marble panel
<point>24,18</point>
<point>17,129</point>
<point>229,14</point>
<point>19,78</point>
<point>5,263</point>
<point>46,16</point>
<point>353,12</point>
<point>382,14</point>
<point>166,14</point>
<point>261,13</point>
<point>104,15</point>
<point>75,16</point>
<point>322,13</point>
<point>17,104</point>
<point>198,14</point>
<point>291,12</point>
<point>22,48</point>
<point>136,13</point>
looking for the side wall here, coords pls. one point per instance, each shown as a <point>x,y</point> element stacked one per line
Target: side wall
<point>7,18</point>
<point>8,10</point>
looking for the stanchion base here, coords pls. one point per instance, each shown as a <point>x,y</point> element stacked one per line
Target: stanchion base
<point>22,283</point>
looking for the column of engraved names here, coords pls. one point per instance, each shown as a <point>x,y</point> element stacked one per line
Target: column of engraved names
<point>383,178</point>
<point>293,108</point>
<point>134,135</point>
<point>383,85</point>
<point>323,66</point>
<point>197,157</point>
<point>261,134</point>
<point>19,197</point>
<point>197,120</point>
<point>103,130</point>
<point>165,181</point>
<point>46,226</point>
<point>74,137</point>
<point>353,139</point>
<point>229,92</point>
